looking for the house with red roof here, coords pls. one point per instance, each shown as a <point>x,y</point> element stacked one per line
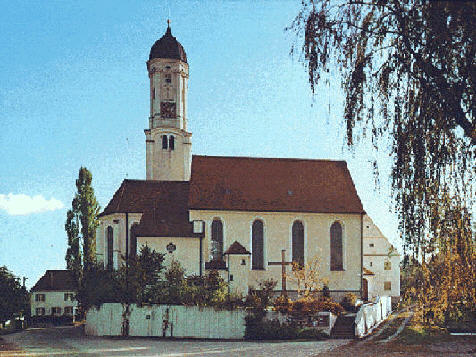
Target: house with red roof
<point>54,295</point>
<point>248,217</point>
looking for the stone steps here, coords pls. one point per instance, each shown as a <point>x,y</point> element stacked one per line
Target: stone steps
<point>344,327</point>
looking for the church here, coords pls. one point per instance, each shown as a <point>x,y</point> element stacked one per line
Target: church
<point>249,218</point>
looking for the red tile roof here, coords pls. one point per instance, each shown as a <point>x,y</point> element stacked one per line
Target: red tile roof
<point>236,248</point>
<point>237,183</point>
<point>55,280</point>
<point>163,204</point>
<point>277,185</point>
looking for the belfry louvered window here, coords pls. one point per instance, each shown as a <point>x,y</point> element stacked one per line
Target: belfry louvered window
<point>164,141</point>
<point>171,142</point>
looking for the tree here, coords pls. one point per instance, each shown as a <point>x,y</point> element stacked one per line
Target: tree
<point>308,278</point>
<point>81,224</point>
<point>407,69</point>
<point>14,298</point>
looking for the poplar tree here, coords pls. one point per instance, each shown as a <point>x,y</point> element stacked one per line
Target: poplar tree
<point>81,224</point>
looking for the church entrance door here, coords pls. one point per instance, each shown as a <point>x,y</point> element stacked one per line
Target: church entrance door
<point>365,289</point>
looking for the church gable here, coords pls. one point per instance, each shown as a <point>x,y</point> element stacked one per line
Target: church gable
<point>276,185</point>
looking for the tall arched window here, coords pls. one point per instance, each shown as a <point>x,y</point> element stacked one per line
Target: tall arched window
<point>171,142</point>
<point>336,247</point>
<point>164,141</point>
<point>257,248</point>
<point>110,247</point>
<point>133,243</point>
<point>217,240</point>
<point>298,243</point>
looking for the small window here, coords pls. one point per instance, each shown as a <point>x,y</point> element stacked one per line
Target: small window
<point>168,78</point>
<point>387,285</point>
<point>153,93</point>
<point>371,245</point>
<point>56,310</point>
<point>370,263</point>
<point>68,297</point>
<point>387,266</point>
<point>68,310</point>
<point>164,142</point>
<point>40,297</point>
<point>40,311</point>
<point>171,142</point>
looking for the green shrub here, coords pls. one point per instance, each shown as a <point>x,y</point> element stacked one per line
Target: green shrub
<point>259,329</point>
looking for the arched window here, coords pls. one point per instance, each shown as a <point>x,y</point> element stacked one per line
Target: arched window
<point>110,247</point>
<point>171,142</point>
<point>257,257</point>
<point>336,247</point>
<point>164,141</point>
<point>298,243</point>
<point>217,240</point>
<point>133,243</point>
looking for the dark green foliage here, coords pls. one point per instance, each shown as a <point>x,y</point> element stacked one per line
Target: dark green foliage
<point>326,292</point>
<point>259,329</point>
<point>14,298</point>
<point>207,290</point>
<point>407,69</point>
<point>348,302</point>
<point>80,226</point>
<point>137,283</point>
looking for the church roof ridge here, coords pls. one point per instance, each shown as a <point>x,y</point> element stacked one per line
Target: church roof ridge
<point>271,158</point>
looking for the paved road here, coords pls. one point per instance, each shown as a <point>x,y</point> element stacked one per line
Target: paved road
<point>68,341</point>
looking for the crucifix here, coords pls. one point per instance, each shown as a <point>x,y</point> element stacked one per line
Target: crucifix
<point>283,264</point>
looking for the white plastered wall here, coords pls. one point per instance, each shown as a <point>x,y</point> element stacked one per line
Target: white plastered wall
<point>237,225</point>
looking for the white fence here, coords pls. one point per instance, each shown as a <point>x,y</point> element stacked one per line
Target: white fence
<point>371,315</point>
<point>112,319</point>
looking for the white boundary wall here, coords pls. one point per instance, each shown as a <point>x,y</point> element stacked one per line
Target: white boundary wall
<point>371,315</point>
<point>166,320</point>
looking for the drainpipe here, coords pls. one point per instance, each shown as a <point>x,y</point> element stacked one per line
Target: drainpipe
<point>201,255</point>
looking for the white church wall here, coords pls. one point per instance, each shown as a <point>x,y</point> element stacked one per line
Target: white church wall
<point>118,223</point>
<point>278,235</point>
<point>382,259</point>
<point>187,251</point>
<point>166,320</point>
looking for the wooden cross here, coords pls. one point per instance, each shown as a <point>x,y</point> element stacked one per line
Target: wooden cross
<point>283,264</point>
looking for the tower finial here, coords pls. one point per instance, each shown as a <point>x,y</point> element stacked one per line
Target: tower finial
<point>168,23</point>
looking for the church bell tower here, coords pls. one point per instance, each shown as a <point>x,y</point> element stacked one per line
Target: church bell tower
<point>168,143</point>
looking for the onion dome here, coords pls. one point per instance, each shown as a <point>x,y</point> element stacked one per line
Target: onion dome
<point>168,47</point>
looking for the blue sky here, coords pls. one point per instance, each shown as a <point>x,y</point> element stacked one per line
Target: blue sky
<point>74,91</point>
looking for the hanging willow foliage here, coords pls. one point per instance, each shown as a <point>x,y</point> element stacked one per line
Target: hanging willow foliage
<point>408,74</point>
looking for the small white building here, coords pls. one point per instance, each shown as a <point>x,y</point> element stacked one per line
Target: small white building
<point>54,295</point>
<point>381,264</point>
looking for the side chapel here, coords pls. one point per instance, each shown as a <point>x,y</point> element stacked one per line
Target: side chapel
<point>239,215</point>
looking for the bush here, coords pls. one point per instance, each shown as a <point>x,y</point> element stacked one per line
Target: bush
<point>348,302</point>
<point>326,292</point>
<point>311,306</point>
<point>282,304</point>
<point>259,329</point>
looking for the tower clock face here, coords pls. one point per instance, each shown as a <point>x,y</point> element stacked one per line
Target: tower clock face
<point>167,110</point>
